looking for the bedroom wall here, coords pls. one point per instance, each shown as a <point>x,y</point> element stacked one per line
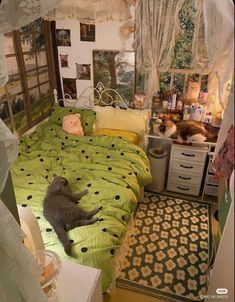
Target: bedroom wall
<point>106,38</point>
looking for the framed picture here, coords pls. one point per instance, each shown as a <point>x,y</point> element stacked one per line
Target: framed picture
<point>70,87</point>
<point>64,61</point>
<point>83,71</point>
<point>87,32</point>
<point>63,37</point>
<point>116,70</point>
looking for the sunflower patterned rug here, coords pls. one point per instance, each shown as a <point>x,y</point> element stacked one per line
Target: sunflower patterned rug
<point>169,249</point>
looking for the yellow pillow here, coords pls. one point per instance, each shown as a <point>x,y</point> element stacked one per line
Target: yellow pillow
<point>131,136</point>
<point>115,118</point>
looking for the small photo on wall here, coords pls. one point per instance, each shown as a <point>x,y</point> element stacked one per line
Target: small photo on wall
<point>83,71</point>
<point>64,61</point>
<point>70,87</point>
<point>87,32</point>
<point>63,37</point>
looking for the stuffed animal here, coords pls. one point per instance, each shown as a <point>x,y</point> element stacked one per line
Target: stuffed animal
<point>72,124</point>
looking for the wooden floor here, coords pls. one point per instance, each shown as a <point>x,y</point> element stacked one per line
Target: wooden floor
<point>124,295</point>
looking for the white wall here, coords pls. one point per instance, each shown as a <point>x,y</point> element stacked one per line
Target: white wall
<point>107,38</point>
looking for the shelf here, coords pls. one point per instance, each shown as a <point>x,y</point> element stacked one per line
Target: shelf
<point>152,135</point>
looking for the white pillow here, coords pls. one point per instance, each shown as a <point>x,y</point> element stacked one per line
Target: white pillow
<point>122,119</point>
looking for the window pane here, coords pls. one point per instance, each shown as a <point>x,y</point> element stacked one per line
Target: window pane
<point>26,47</point>
<point>12,66</point>
<point>14,85</point>
<point>29,61</point>
<point>32,79</point>
<point>165,80</point>
<point>4,110</point>
<point>178,83</point>
<point>43,77</point>
<point>41,58</point>
<point>35,107</point>
<point>45,89</point>
<point>8,44</point>
<point>204,83</point>
<point>17,105</point>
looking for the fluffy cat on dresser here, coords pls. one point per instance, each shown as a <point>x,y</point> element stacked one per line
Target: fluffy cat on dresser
<point>61,210</point>
<point>184,131</point>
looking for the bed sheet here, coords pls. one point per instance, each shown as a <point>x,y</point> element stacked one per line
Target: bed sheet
<point>111,169</point>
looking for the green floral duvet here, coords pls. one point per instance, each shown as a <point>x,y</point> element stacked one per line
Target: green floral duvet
<point>111,169</point>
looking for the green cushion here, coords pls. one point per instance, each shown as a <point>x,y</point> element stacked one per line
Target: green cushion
<point>87,117</point>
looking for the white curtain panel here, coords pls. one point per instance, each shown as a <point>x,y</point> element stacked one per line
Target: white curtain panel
<point>219,32</point>
<point>157,25</point>
<point>15,14</point>
<point>19,272</point>
<point>91,11</point>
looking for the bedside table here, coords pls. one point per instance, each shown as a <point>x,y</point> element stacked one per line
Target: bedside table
<point>78,283</point>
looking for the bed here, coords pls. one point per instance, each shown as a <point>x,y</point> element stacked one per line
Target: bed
<point>112,169</point>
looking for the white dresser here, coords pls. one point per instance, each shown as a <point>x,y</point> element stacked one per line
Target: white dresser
<point>78,283</point>
<point>186,169</point>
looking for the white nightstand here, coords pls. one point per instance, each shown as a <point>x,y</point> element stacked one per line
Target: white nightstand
<point>79,283</point>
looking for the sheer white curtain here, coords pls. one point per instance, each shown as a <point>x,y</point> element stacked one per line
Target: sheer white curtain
<point>219,33</point>
<point>157,25</point>
<point>15,14</point>
<point>92,10</point>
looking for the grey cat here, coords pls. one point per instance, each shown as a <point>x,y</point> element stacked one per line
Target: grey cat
<point>61,210</point>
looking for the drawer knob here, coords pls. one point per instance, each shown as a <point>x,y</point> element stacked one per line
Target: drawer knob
<point>184,189</point>
<point>185,178</point>
<point>186,167</point>
<point>185,154</point>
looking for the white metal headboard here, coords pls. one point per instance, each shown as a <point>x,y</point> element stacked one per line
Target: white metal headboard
<point>98,95</point>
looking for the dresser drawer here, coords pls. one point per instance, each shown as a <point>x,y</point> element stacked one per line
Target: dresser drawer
<point>183,188</point>
<point>188,153</point>
<point>184,177</point>
<point>211,190</point>
<point>186,166</point>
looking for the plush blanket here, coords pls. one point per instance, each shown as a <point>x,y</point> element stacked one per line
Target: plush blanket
<point>111,169</point>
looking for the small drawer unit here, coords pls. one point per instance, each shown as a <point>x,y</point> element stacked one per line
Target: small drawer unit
<point>211,183</point>
<point>186,169</point>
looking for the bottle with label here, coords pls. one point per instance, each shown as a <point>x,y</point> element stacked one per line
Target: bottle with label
<point>173,103</point>
<point>179,105</point>
<point>186,115</point>
<point>208,118</point>
<point>169,100</point>
<point>192,112</point>
<point>198,113</point>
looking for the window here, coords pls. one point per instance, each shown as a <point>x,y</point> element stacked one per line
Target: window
<point>27,97</point>
<point>181,71</point>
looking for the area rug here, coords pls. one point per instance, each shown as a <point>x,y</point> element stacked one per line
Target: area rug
<point>169,249</point>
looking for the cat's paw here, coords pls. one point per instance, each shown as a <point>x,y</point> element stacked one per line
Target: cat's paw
<point>68,249</point>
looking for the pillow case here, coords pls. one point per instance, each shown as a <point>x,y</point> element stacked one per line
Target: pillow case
<point>116,118</point>
<point>131,136</point>
<point>87,117</point>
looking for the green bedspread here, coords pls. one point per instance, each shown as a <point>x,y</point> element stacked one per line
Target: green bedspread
<point>112,170</point>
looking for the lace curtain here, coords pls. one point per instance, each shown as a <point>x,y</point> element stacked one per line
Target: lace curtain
<point>15,14</point>
<point>157,25</point>
<point>91,11</point>
<point>219,33</point>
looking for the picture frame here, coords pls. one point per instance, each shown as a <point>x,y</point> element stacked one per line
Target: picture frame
<point>87,32</point>
<point>115,69</point>
<point>64,61</point>
<point>83,71</point>
<point>70,87</point>
<point>63,37</point>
